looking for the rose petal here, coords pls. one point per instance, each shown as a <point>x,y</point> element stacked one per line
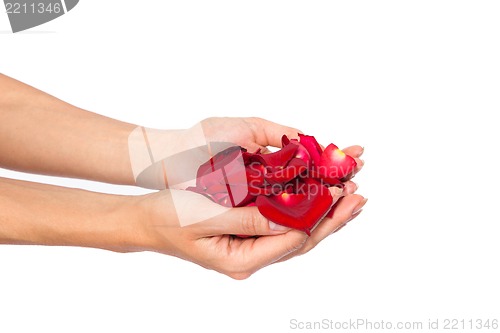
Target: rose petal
<point>224,178</point>
<point>312,146</point>
<point>284,141</point>
<point>299,211</point>
<point>294,168</point>
<point>219,160</point>
<point>304,155</point>
<point>334,163</point>
<point>289,187</point>
<point>277,160</point>
<point>255,173</point>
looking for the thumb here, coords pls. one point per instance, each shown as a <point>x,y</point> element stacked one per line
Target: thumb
<point>210,219</point>
<point>248,221</point>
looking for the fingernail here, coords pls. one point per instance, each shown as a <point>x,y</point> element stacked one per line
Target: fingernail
<point>355,185</point>
<point>277,227</point>
<point>338,190</point>
<point>359,206</point>
<point>362,151</point>
<point>354,216</point>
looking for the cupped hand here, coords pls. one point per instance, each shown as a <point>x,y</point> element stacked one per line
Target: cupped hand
<point>189,226</point>
<point>192,227</point>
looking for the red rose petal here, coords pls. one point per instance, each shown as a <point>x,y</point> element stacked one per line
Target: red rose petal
<point>334,163</point>
<point>277,159</point>
<point>255,173</point>
<point>284,141</point>
<point>289,187</point>
<point>301,153</point>
<point>312,146</point>
<point>224,178</point>
<point>291,171</point>
<point>299,211</point>
<point>220,160</point>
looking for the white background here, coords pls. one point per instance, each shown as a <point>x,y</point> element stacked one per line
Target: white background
<point>417,83</point>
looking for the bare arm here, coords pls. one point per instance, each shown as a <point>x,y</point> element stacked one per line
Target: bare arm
<point>42,134</point>
<point>32,213</point>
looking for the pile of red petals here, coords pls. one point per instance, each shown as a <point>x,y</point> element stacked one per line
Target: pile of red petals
<point>289,187</point>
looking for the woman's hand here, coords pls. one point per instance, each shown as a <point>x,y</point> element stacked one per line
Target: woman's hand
<point>209,242</point>
<point>189,226</point>
<point>62,140</point>
<point>192,227</point>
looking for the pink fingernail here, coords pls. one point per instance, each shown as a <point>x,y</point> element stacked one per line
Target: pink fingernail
<point>277,227</point>
<point>359,206</point>
<point>338,190</point>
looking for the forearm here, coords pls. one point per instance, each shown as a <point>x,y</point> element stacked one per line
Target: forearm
<point>32,213</point>
<point>42,134</point>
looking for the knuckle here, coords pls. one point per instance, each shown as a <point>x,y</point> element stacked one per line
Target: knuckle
<point>254,122</point>
<point>250,223</point>
<point>296,245</point>
<point>308,247</point>
<point>255,119</point>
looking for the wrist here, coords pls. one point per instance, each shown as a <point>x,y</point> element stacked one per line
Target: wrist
<point>162,159</point>
<point>157,223</point>
<point>126,229</point>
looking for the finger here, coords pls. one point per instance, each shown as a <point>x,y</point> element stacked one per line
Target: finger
<point>212,219</point>
<point>359,165</point>
<point>354,151</point>
<point>248,220</point>
<point>254,147</point>
<point>267,250</point>
<point>345,209</point>
<point>337,194</point>
<point>350,219</point>
<point>243,221</point>
<point>265,150</point>
<point>350,187</point>
<point>269,133</point>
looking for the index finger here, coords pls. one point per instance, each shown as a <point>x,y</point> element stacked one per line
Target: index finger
<point>268,133</point>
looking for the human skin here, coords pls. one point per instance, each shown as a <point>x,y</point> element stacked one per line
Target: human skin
<point>42,134</point>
